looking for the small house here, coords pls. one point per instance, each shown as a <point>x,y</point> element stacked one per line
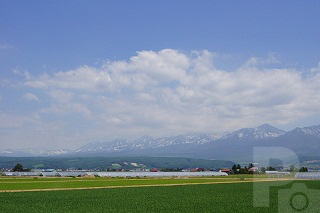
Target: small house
<point>227,170</point>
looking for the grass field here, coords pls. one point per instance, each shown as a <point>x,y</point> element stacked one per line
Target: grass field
<point>10,184</point>
<point>233,197</point>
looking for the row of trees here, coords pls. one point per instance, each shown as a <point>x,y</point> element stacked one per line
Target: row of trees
<point>19,168</point>
<point>303,169</point>
<point>294,169</point>
<point>237,169</point>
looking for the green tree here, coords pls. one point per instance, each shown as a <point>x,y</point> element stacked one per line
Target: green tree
<point>243,170</point>
<point>18,168</point>
<point>238,168</point>
<point>250,165</point>
<point>292,168</point>
<point>234,169</point>
<point>263,170</point>
<point>270,168</point>
<point>303,169</point>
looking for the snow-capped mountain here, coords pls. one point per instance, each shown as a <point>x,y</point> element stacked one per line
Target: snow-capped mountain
<point>115,145</point>
<point>199,145</point>
<point>149,143</point>
<point>261,132</point>
<point>313,131</point>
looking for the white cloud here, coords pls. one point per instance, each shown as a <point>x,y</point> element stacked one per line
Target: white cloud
<point>169,92</point>
<point>5,47</point>
<point>84,78</point>
<point>25,74</point>
<point>165,65</point>
<point>36,84</point>
<point>69,108</point>
<point>191,85</point>
<point>18,121</point>
<point>30,97</point>
<point>255,61</point>
<point>61,96</point>
<point>63,102</point>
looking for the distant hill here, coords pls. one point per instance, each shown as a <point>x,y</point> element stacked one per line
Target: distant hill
<point>104,163</point>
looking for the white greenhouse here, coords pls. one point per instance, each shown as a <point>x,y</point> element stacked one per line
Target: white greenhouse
<point>116,174</point>
<point>308,175</point>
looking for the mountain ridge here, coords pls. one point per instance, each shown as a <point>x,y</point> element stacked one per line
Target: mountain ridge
<point>227,146</point>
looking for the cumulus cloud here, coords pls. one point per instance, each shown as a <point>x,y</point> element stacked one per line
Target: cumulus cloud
<point>169,92</point>
<point>25,74</point>
<point>83,78</point>
<point>63,102</point>
<point>191,86</point>
<point>30,97</point>
<point>254,61</point>
<point>69,108</point>
<point>15,121</point>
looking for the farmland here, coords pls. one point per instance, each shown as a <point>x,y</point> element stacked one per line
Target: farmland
<point>11,184</point>
<point>184,198</point>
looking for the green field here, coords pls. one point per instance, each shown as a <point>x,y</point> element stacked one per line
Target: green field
<point>235,197</point>
<point>56,183</point>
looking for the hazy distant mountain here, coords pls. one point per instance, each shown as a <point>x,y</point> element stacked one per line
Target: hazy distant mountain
<point>229,146</point>
<point>104,163</point>
<point>34,152</point>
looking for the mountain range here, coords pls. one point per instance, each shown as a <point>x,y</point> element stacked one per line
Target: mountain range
<point>237,145</point>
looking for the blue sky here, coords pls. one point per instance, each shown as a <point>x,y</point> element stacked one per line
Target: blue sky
<point>73,72</point>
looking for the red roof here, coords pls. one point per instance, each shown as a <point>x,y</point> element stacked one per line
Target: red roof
<point>253,169</point>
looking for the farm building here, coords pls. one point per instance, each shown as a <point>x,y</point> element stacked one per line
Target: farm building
<point>226,170</point>
<point>253,169</point>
